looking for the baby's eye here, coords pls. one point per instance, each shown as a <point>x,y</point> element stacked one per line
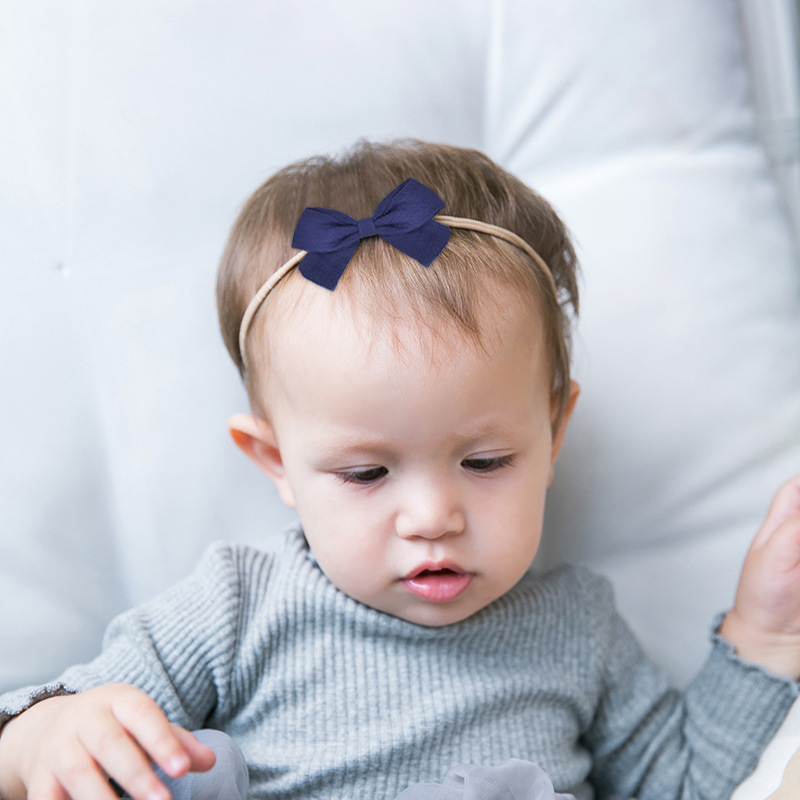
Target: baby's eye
<point>489,464</point>
<point>367,475</point>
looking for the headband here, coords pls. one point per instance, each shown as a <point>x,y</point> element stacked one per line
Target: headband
<point>407,218</point>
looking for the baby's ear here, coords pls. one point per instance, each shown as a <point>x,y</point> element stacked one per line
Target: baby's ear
<point>256,438</point>
<point>560,429</point>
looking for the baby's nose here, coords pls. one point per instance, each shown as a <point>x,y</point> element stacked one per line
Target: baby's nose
<point>430,511</point>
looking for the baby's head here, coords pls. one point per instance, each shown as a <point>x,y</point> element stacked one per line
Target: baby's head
<point>412,414</point>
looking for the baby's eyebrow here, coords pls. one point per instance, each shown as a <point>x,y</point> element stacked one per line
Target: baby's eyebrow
<point>489,430</point>
<point>380,446</point>
<point>372,445</point>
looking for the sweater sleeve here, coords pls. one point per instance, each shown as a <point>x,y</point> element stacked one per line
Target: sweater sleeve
<point>178,648</point>
<point>651,741</point>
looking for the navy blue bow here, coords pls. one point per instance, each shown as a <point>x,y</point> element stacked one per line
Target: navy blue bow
<point>404,219</point>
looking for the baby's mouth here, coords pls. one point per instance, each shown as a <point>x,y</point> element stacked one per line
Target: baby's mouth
<point>437,583</point>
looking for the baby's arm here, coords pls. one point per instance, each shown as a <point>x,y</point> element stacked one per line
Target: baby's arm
<point>178,650</point>
<point>68,746</point>
<point>650,741</point>
<point>764,623</point>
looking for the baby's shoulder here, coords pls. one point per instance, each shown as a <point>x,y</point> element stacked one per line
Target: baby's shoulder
<point>570,588</point>
<point>249,568</point>
<point>238,563</point>
<point>565,618</point>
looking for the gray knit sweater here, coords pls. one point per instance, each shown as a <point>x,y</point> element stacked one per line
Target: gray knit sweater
<point>329,698</point>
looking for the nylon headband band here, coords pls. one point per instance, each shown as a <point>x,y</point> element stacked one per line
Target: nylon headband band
<point>451,222</point>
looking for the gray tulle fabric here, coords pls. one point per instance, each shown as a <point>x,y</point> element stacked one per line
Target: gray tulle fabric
<point>226,780</point>
<point>512,780</point>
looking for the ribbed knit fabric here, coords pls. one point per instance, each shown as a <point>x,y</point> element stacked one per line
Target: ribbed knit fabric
<point>329,698</point>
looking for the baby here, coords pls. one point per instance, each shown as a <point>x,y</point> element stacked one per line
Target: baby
<point>401,320</point>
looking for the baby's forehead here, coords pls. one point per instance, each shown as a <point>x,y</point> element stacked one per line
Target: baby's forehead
<point>346,325</point>
<point>318,335</point>
<point>308,335</point>
<point>334,371</point>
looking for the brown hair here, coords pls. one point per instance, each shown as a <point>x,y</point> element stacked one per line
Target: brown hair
<point>385,281</point>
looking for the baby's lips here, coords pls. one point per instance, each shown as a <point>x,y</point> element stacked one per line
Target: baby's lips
<point>437,582</point>
<point>435,566</point>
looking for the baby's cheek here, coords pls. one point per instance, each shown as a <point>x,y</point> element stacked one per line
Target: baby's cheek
<point>344,564</point>
<point>364,568</point>
<point>519,546</point>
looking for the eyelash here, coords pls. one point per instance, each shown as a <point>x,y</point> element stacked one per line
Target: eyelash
<point>485,465</point>
<point>481,466</point>
<point>363,476</point>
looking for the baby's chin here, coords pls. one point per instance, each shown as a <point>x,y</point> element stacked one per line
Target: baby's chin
<point>438,618</point>
<point>400,601</point>
<point>429,614</point>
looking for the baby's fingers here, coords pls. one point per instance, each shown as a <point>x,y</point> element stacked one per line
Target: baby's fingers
<point>142,718</point>
<point>783,548</point>
<point>112,749</point>
<point>785,506</point>
<point>47,789</point>
<point>202,758</point>
<point>74,775</point>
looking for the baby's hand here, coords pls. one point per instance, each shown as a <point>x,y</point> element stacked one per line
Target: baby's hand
<point>764,623</point>
<point>68,747</point>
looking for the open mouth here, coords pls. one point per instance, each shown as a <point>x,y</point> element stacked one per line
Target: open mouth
<point>443,571</point>
<point>436,568</point>
<point>437,583</point>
